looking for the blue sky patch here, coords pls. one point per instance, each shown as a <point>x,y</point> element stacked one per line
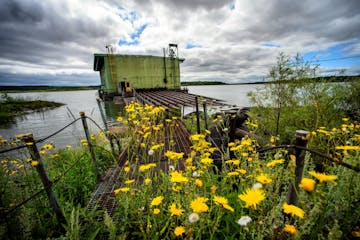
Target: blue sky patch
<point>338,55</point>
<point>190,46</point>
<point>232,6</point>
<point>270,45</point>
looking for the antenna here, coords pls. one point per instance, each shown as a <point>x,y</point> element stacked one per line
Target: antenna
<point>109,48</point>
<point>173,50</point>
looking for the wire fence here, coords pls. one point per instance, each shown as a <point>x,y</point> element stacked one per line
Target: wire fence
<point>30,144</point>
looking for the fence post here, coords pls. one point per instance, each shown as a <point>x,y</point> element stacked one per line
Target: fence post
<point>301,139</point>
<point>205,114</point>
<point>197,115</point>
<point>91,149</point>
<point>108,135</point>
<point>40,168</point>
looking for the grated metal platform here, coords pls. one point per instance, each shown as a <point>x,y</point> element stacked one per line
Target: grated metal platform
<point>103,197</point>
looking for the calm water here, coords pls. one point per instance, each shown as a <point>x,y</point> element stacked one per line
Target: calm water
<point>44,123</point>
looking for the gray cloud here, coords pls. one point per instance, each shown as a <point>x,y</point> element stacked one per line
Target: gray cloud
<point>57,39</point>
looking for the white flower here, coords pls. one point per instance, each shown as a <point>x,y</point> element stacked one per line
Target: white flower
<point>225,130</point>
<point>171,168</point>
<point>257,185</point>
<point>194,217</point>
<point>244,220</point>
<point>151,152</point>
<point>196,174</point>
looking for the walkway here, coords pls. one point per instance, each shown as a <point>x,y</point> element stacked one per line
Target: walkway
<point>103,197</point>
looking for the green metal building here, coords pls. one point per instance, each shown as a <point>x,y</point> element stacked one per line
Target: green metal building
<point>120,74</point>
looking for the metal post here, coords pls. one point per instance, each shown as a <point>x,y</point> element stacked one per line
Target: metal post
<point>40,168</point>
<point>108,135</point>
<point>92,153</point>
<point>197,115</point>
<point>301,139</point>
<point>102,114</point>
<point>205,114</point>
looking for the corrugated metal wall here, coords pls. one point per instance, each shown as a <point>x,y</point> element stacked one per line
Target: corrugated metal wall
<point>141,72</point>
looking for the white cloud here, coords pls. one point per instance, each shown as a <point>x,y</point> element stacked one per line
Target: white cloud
<point>234,43</point>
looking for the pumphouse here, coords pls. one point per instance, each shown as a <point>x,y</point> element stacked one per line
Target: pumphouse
<point>121,74</point>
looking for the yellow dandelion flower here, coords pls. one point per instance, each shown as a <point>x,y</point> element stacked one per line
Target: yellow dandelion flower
<point>147,181</point>
<point>197,137</point>
<point>322,177</point>
<point>47,147</point>
<point>176,188</point>
<point>34,163</point>
<point>124,190</point>
<point>156,211</point>
<point>242,171</point>
<point>346,148</point>
<point>68,147</point>
<point>252,197</point>
<point>188,161</point>
<point>175,210</point>
<point>293,210</point>
<point>177,177</point>
<point>180,230</point>
<point>199,205</point>
<point>230,174</point>
<point>126,169</point>
<point>206,161</point>
<point>174,155</point>
<point>290,229</point>
<point>42,152</point>
<point>263,179</point>
<point>157,201</point>
<point>198,183</point>
<point>275,162</point>
<point>307,184</point>
<point>213,189</point>
<point>131,181</point>
<point>223,202</point>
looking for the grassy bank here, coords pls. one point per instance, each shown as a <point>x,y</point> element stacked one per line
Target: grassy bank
<point>245,199</point>
<point>11,107</point>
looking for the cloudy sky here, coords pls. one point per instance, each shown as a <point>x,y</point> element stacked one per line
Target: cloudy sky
<point>52,42</point>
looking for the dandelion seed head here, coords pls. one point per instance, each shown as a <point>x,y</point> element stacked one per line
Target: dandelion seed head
<point>244,220</point>
<point>194,217</point>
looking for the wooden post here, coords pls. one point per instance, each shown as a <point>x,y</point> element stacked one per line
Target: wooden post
<point>205,114</point>
<point>197,115</point>
<point>301,139</point>
<point>40,168</point>
<point>91,149</point>
<point>108,135</point>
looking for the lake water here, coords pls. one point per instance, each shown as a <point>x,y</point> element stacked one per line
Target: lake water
<point>45,123</point>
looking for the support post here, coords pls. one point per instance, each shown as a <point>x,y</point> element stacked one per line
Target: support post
<point>91,149</point>
<point>205,114</point>
<point>40,168</point>
<point>102,114</point>
<point>301,139</point>
<point>108,135</point>
<point>197,115</point>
